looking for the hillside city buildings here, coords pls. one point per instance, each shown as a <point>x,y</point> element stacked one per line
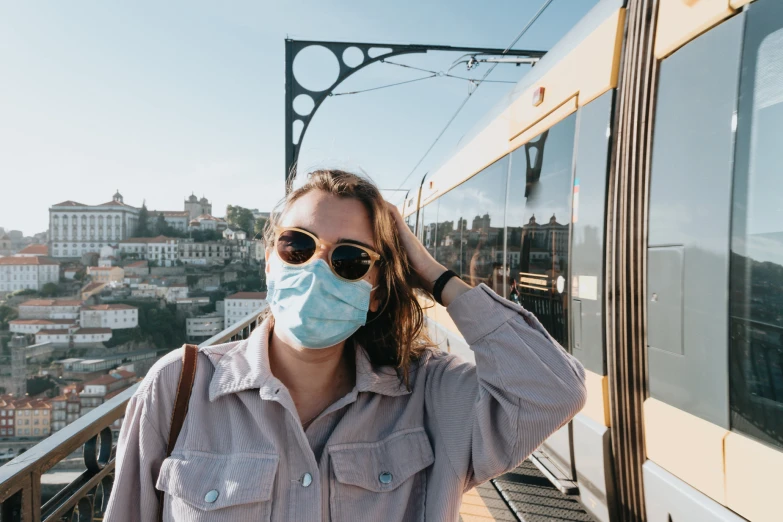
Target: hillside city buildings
<point>65,356</point>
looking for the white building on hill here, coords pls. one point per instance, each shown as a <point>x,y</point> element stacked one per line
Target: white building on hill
<point>76,228</point>
<point>19,273</point>
<point>33,326</point>
<point>114,316</point>
<point>50,309</point>
<point>162,250</point>
<point>240,305</point>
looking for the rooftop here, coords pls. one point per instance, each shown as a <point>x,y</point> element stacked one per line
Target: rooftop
<point>46,331</point>
<point>51,302</point>
<point>70,203</point>
<point>105,307</point>
<point>111,377</point>
<point>38,250</point>
<point>93,286</point>
<point>41,321</point>
<point>37,260</point>
<point>248,295</point>
<point>138,264</point>
<point>88,331</point>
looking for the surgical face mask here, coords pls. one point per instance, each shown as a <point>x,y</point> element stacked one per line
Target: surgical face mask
<point>313,306</point>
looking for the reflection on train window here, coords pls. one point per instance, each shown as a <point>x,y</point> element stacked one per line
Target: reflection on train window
<point>429,215</point>
<point>470,227</point>
<point>538,217</point>
<point>756,305</point>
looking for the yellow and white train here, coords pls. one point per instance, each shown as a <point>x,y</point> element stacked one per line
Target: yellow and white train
<point>629,192</point>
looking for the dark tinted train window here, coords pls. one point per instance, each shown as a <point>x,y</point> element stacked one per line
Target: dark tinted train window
<point>538,217</point>
<point>470,227</point>
<point>757,237</point>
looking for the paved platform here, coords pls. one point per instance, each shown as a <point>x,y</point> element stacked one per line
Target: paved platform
<point>523,495</point>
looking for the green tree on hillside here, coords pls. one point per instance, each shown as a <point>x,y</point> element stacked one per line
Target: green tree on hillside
<point>241,218</point>
<point>7,314</point>
<point>49,290</point>
<point>142,227</point>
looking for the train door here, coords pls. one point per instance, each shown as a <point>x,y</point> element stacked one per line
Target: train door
<point>715,275</point>
<point>538,219</point>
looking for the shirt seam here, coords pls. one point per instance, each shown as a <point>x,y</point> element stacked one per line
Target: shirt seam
<point>148,419</point>
<point>464,479</point>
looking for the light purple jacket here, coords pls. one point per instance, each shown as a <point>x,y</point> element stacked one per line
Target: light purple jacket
<point>379,453</point>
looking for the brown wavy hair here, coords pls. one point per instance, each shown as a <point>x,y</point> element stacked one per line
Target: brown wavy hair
<point>394,335</point>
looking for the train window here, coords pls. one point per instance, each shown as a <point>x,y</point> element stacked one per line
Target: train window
<point>756,304</point>
<point>429,215</point>
<point>470,227</point>
<point>538,216</point>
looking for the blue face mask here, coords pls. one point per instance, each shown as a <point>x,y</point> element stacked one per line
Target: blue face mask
<point>315,307</point>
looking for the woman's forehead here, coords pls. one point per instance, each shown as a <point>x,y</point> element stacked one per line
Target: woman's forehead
<point>330,218</point>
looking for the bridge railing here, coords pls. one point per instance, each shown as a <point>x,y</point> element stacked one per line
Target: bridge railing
<point>86,497</point>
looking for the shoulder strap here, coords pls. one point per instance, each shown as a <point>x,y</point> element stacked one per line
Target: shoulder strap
<point>184,388</point>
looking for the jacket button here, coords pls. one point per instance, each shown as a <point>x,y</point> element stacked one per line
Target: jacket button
<point>307,479</point>
<point>211,496</point>
<point>385,477</point>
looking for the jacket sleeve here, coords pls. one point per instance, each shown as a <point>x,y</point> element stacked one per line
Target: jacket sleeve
<point>141,447</point>
<point>140,452</point>
<point>524,386</point>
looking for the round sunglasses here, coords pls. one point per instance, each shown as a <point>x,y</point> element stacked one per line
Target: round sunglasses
<point>348,261</point>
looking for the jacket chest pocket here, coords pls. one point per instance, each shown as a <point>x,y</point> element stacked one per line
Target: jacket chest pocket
<point>384,480</point>
<point>203,486</point>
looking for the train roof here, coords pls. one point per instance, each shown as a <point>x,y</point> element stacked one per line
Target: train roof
<point>583,28</point>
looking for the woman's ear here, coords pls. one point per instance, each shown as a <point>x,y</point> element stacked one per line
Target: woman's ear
<point>375,303</point>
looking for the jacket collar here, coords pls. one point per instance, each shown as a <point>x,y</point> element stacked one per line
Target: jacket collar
<point>244,365</point>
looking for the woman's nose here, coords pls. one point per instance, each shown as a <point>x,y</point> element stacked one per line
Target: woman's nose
<point>323,253</point>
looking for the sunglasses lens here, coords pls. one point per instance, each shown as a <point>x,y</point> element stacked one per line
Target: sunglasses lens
<point>295,248</point>
<point>350,262</point>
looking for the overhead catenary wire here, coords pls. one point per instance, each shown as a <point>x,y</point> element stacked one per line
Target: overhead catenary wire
<point>383,86</point>
<point>478,84</point>
<point>433,74</point>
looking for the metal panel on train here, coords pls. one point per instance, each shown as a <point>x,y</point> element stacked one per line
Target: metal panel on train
<point>690,202</point>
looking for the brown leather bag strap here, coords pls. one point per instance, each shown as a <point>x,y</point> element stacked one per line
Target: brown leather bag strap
<point>184,388</point>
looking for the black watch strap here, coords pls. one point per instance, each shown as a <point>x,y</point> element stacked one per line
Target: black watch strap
<point>440,284</point>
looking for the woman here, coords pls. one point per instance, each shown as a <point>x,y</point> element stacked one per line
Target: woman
<point>335,408</point>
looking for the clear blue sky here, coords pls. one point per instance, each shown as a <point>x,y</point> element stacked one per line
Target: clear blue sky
<point>161,99</point>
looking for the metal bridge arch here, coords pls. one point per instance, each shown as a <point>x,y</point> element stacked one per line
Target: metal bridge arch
<point>293,88</point>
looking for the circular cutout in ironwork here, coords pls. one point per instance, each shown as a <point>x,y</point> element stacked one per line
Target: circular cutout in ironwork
<point>353,57</point>
<point>316,68</point>
<point>303,104</point>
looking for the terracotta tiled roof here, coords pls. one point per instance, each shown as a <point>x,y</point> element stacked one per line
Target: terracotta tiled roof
<point>248,295</point>
<point>138,264</point>
<point>52,332</point>
<point>37,260</point>
<point>70,203</point>
<point>51,302</point>
<point>39,250</point>
<point>116,204</point>
<point>41,321</point>
<point>105,307</point>
<point>89,331</point>
<point>93,286</point>
<point>170,213</point>
<point>109,377</point>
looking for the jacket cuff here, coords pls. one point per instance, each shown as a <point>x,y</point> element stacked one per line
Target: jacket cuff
<point>480,311</point>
